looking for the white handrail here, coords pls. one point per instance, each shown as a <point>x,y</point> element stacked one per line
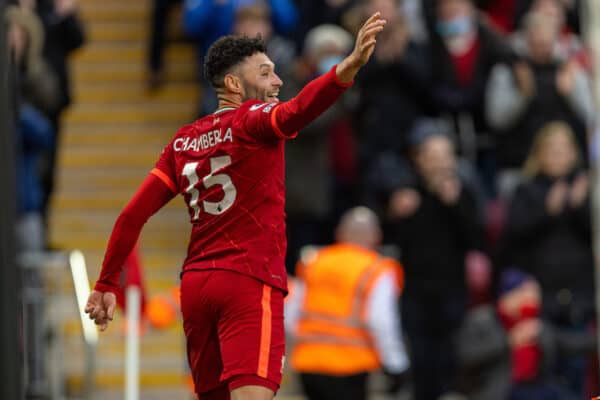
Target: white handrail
<point>132,344</point>
<point>82,292</point>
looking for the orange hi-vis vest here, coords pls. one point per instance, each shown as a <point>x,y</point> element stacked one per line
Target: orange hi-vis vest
<point>332,337</point>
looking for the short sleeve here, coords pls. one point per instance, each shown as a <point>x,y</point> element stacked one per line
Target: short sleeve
<point>165,168</point>
<point>258,119</point>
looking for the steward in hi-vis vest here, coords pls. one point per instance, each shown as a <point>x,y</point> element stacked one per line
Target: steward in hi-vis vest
<point>343,313</point>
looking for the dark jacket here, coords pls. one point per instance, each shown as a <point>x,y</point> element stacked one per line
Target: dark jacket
<point>392,97</point>
<point>434,240</point>
<point>556,250</point>
<point>448,95</point>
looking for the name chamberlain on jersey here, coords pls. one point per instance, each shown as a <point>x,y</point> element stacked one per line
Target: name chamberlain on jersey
<point>212,138</point>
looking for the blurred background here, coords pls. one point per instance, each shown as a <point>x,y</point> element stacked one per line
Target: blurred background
<point>470,135</point>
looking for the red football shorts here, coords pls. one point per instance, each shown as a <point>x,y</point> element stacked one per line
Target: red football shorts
<point>234,330</point>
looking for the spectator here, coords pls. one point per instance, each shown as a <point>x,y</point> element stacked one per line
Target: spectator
<point>36,90</point>
<point>255,20</point>
<point>343,314</point>
<point>434,224</point>
<point>549,224</point>
<point>38,93</point>
<point>321,12</point>
<point>463,52</point>
<point>160,16</point>
<point>533,91</point>
<point>309,173</point>
<point>393,87</point>
<point>64,34</point>
<point>549,232</point>
<point>567,10</point>
<point>512,352</point>
<point>206,21</point>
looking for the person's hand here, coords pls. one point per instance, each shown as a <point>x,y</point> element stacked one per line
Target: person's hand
<point>524,78</point>
<point>565,78</point>
<point>478,268</point>
<point>17,42</point>
<point>64,7</point>
<point>101,307</point>
<point>556,198</point>
<point>448,189</point>
<point>404,203</point>
<point>363,48</point>
<point>579,190</point>
<point>525,332</point>
<point>395,381</point>
<point>365,39</point>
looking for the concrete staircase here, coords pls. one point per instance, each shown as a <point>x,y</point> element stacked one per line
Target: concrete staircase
<point>113,135</point>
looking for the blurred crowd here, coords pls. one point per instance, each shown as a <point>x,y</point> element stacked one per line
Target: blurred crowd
<point>466,135</point>
<point>41,35</point>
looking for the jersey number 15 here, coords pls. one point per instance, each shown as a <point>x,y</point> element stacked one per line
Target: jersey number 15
<point>210,180</point>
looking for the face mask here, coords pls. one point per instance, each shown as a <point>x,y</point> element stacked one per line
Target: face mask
<point>327,63</point>
<point>454,27</point>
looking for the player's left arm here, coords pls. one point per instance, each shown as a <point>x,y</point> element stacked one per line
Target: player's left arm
<point>285,119</point>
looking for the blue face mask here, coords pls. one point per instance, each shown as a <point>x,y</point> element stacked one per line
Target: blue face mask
<point>327,63</point>
<point>454,27</point>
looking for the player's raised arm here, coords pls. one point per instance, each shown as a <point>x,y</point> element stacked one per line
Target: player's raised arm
<point>363,48</point>
<point>289,117</point>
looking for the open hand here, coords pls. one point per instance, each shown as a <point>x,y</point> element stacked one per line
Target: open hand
<point>365,39</point>
<point>101,307</point>
<point>363,48</point>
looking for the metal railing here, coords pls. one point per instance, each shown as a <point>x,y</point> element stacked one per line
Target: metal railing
<point>42,319</point>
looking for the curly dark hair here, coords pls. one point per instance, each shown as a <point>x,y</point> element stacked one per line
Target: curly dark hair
<point>228,52</point>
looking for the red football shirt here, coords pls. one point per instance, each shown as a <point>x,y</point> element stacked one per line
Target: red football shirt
<point>229,167</point>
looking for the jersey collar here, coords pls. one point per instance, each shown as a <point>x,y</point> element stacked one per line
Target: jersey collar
<point>220,110</point>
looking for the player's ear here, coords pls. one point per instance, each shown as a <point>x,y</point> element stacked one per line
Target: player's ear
<point>233,83</point>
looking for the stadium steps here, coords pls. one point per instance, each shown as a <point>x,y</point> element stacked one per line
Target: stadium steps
<point>112,136</point>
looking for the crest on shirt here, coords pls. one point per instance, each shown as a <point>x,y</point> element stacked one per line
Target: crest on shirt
<point>257,106</point>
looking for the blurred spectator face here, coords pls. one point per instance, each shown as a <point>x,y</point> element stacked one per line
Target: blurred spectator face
<point>254,21</point>
<point>557,154</point>
<point>526,295</point>
<point>541,35</point>
<point>454,18</point>
<point>435,157</point>
<point>388,8</point>
<point>552,11</point>
<point>326,45</point>
<point>29,4</point>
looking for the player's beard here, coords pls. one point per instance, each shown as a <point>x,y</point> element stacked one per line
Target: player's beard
<point>251,92</point>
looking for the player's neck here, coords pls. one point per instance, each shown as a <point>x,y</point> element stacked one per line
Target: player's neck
<point>227,101</point>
